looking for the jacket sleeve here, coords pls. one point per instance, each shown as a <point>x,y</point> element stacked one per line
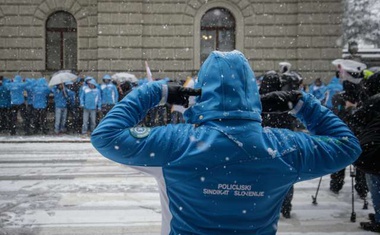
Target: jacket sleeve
<point>99,103</point>
<point>364,115</point>
<point>81,98</point>
<point>118,138</point>
<point>116,94</point>
<point>330,145</point>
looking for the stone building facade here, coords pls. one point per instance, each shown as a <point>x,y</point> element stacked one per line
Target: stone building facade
<point>120,35</point>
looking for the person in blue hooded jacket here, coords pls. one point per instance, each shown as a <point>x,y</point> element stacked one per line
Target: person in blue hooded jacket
<point>5,105</point>
<point>17,88</point>
<point>221,172</point>
<point>61,99</point>
<point>334,87</point>
<point>40,97</point>
<point>318,89</point>
<point>91,102</point>
<point>109,94</point>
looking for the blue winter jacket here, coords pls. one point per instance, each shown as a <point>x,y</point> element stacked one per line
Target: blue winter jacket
<point>90,98</point>
<point>331,89</point>
<point>5,95</point>
<point>17,89</point>
<point>30,83</point>
<point>226,174</point>
<point>60,97</point>
<point>109,93</point>
<point>319,92</point>
<point>40,93</point>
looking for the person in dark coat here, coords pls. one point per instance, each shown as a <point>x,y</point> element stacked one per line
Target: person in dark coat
<point>365,123</point>
<point>344,104</point>
<point>273,81</point>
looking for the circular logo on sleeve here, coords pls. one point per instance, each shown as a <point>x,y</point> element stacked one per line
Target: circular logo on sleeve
<point>139,132</point>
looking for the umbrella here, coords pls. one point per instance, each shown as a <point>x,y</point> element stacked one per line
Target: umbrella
<point>63,77</point>
<point>124,77</point>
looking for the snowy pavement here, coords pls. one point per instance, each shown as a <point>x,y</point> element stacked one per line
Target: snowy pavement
<point>60,185</point>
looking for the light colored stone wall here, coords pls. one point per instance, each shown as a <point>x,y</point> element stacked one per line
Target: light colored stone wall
<point>318,32</point>
<point>120,35</point>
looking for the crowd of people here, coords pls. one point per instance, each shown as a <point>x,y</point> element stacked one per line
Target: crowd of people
<point>77,105</point>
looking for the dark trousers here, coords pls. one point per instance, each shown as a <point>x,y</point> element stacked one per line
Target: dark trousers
<point>76,119</point>
<point>40,121</point>
<point>287,203</point>
<point>337,182</point>
<point>5,116</point>
<point>22,108</point>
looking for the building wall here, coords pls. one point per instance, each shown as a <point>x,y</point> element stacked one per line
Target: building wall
<point>120,35</point>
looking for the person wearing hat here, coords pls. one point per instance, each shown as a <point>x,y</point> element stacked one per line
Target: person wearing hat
<point>221,172</point>
<point>90,101</point>
<point>344,104</point>
<point>110,95</point>
<point>284,67</point>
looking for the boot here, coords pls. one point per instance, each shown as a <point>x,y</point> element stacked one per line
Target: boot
<point>371,217</point>
<point>370,226</point>
<point>286,213</point>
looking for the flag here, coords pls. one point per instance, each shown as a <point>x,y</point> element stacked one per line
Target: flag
<point>148,72</point>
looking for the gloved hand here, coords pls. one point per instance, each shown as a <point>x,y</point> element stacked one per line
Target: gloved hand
<point>180,95</point>
<point>280,101</point>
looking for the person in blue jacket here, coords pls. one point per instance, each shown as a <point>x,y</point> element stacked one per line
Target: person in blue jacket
<point>71,106</point>
<point>221,172</point>
<point>90,101</point>
<point>109,93</point>
<point>334,87</point>
<point>61,98</point>
<point>17,88</point>
<point>318,89</point>
<point>40,98</point>
<point>5,105</point>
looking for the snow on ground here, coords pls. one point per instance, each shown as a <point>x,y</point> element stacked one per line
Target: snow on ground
<point>60,185</point>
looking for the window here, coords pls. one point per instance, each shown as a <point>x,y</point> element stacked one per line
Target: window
<point>217,32</point>
<point>61,41</point>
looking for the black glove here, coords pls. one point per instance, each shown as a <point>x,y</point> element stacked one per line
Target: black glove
<point>280,101</point>
<point>180,95</point>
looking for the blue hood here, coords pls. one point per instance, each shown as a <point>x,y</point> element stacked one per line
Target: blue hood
<point>335,80</point>
<point>41,82</point>
<point>17,78</point>
<point>229,90</point>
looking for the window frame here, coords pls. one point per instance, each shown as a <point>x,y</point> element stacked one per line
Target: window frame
<point>239,28</point>
<point>61,32</point>
<point>217,30</point>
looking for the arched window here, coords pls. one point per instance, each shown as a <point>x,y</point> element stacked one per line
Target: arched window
<point>217,32</point>
<point>61,41</point>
